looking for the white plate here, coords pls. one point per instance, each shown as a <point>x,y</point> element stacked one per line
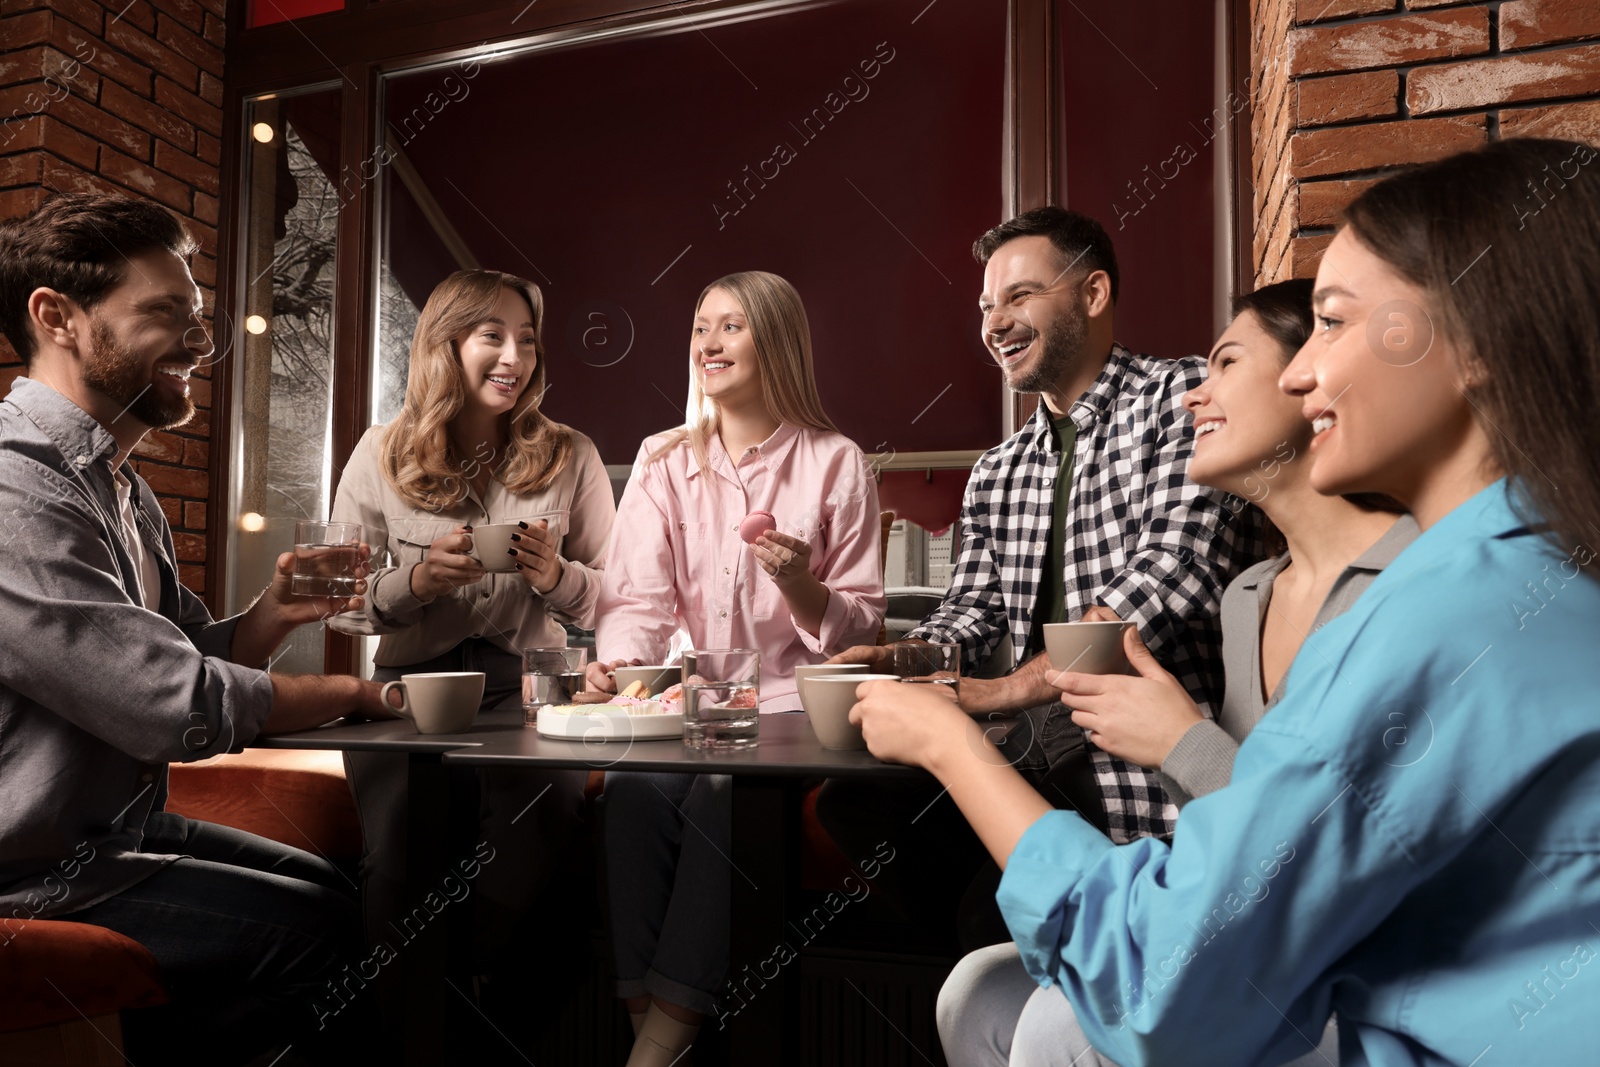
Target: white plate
<point>608,726</point>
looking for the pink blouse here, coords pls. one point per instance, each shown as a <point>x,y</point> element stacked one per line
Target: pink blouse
<point>676,565</point>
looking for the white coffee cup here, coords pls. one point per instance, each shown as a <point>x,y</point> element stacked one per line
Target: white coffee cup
<point>828,699</point>
<point>823,670</point>
<point>445,702</point>
<point>1086,647</point>
<point>491,544</point>
<point>655,678</point>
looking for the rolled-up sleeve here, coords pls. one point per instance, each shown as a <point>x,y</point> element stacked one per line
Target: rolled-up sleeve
<point>78,644</point>
<point>637,608</point>
<point>583,550</point>
<point>973,612</point>
<point>853,568</point>
<point>1188,542</point>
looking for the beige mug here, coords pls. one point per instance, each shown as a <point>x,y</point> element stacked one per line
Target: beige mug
<point>827,700</point>
<point>444,702</point>
<point>491,545</point>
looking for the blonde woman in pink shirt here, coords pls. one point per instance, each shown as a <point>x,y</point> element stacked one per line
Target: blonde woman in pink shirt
<point>755,439</point>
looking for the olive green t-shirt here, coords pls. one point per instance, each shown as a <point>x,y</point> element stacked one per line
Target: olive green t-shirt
<point>1052,606</point>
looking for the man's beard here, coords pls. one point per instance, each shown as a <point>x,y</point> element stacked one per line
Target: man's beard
<point>124,378</point>
<point>1060,342</point>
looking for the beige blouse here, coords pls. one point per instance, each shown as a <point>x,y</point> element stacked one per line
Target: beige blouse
<point>502,608</point>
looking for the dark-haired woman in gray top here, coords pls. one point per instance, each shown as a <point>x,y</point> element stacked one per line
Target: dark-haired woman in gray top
<point>990,1011</point>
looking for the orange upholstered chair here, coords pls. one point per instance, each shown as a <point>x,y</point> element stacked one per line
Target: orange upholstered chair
<point>297,797</point>
<point>61,987</point>
<point>62,984</point>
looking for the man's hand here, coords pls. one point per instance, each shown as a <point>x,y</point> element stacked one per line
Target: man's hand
<point>304,702</point>
<point>537,558</point>
<point>1026,687</point>
<point>294,610</point>
<point>1138,719</point>
<point>876,657</point>
<point>447,566</point>
<point>278,610</point>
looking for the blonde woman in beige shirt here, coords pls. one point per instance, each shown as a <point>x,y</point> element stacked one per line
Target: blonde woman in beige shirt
<point>469,448</point>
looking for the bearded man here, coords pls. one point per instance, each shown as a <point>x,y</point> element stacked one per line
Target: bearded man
<point>112,669</point>
<point>1085,513</point>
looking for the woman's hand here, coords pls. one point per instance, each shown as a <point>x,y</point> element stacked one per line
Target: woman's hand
<point>1138,719</point>
<point>920,725</point>
<point>537,558</point>
<point>598,675</point>
<point>447,566</point>
<point>786,559</point>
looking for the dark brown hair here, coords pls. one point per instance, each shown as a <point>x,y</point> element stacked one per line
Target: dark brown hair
<point>1081,241</point>
<point>1284,310</point>
<point>1505,241</point>
<point>79,245</point>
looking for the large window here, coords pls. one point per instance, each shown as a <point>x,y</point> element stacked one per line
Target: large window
<point>283,338</point>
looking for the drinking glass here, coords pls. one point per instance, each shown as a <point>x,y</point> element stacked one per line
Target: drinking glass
<point>326,556</point>
<point>721,698</point>
<point>935,663</point>
<point>550,676</point>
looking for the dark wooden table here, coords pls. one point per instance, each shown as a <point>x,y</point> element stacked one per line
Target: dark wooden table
<point>765,846</point>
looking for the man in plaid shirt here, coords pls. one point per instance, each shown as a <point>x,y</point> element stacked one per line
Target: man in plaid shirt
<point>1086,512</point>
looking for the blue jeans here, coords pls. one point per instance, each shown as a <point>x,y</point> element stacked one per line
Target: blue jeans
<point>249,935</point>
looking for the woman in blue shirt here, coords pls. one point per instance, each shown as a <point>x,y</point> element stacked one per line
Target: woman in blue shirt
<point>1250,441</point>
<point>1409,838</point>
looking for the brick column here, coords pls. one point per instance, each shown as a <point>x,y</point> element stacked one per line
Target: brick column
<point>1347,90</point>
<point>127,99</point>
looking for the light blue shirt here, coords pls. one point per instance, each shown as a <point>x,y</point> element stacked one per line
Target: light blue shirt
<point>1411,838</point>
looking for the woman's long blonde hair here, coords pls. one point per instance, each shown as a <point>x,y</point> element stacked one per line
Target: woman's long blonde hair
<point>781,337</point>
<point>417,458</point>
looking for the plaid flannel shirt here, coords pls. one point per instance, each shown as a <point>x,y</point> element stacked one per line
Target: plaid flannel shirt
<point>1141,539</point>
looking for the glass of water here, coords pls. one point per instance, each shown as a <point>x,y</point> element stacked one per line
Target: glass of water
<point>721,698</point>
<point>550,676</point>
<point>935,663</point>
<point>326,557</point>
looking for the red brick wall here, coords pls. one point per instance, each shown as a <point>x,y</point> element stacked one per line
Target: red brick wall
<point>1346,89</point>
<point>124,98</point>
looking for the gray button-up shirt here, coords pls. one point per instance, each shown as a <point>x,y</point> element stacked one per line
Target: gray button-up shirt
<point>97,693</point>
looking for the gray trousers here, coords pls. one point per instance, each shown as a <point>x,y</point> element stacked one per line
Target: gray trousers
<point>992,1013</point>
<point>667,838</point>
<point>529,818</point>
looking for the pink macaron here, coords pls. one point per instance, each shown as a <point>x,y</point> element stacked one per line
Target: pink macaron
<point>755,524</point>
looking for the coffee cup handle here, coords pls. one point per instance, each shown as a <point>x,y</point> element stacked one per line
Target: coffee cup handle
<point>404,710</point>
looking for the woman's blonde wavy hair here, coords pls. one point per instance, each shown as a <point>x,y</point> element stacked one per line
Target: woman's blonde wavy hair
<point>781,337</point>
<point>417,458</point>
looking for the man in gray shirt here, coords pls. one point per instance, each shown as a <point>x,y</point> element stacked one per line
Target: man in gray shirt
<point>112,669</point>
